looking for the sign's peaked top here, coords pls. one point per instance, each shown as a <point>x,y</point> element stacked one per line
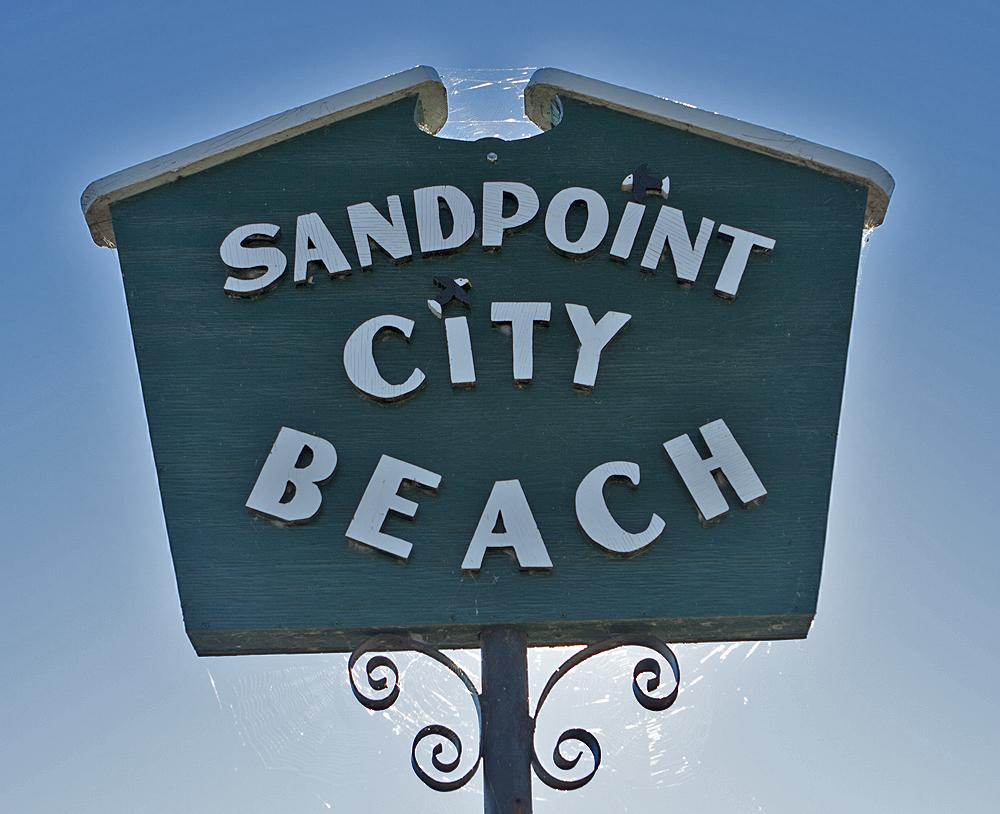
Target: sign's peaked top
<point>430,115</point>
<point>541,102</point>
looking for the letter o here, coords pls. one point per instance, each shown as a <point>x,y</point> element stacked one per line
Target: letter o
<point>597,221</point>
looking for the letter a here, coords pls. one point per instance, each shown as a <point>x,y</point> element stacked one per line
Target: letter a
<point>507,507</point>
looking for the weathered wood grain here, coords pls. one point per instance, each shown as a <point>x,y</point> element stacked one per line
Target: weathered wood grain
<point>221,375</point>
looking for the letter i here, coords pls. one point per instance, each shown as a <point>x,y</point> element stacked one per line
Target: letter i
<point>463,370</point>
<point>627,230</point>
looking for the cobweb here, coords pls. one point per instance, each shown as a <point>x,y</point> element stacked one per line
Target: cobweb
<point>301,716</point>
<point>866,236</point>
<point>639,748</point>
<point>487,103</point>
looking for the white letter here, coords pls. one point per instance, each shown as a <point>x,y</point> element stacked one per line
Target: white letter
<point>237,256</point>
<point>381,497</point>
<point>315,244</point>
<point>271,495</point>
<point>627,230</point>
<point>507,508</point>
<point>495,225</point>
<point>428,204</point>
<point>522,316</point>
<point>595,519</point>
<point>360,363</point>
<point>697,473</point>
<point>593,339</point>
<point>670,227</point>
<point>736,261</point>
<point>463,369</point>
<point>593,233</point>
<point>367,223</point>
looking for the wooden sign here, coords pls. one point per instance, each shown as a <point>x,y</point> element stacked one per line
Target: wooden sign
<point>581,383</point>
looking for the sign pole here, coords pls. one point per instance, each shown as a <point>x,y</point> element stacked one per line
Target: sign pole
<point>507,727</point>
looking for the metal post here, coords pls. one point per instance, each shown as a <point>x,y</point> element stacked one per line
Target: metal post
<point>507,727</point>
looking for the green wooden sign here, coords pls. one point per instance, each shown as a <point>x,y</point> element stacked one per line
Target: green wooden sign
<point>558,341</point>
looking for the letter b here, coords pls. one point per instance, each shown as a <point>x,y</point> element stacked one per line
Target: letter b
<point>286,491</point>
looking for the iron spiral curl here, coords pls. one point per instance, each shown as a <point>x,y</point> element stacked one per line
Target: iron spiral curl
<point>390,641</point>
<point>445,767</point>
<point>646,666</point>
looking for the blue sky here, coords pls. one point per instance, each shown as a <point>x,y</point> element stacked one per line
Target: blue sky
<point>889,705</point>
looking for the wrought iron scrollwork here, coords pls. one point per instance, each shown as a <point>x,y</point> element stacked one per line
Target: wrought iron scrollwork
<point>445,767</point>
<point>646,666</point>
<point>568,764</point>
<point>388,641</point>
<point>646,677</point>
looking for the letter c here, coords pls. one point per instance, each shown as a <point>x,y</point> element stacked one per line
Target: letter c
<point>360,363</point>
<point>595,519</point>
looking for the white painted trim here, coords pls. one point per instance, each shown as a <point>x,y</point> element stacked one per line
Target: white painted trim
<point>421,81</point>
<point>547,84</point>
